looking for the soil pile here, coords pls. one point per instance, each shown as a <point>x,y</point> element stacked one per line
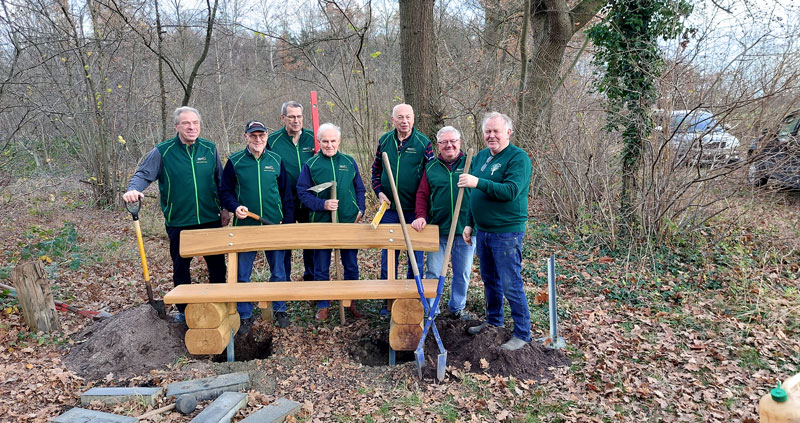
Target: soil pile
<point>127,344</point>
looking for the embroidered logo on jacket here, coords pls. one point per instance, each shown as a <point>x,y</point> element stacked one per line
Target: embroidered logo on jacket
<point>495,167</point>
<point>202,159</point>
<point>269,168</point>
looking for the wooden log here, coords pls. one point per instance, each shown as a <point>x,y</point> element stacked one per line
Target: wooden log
<point>266,310</point>
<point>404,337</point>
<point>407,311</point>
<point>206,315</point>
<point>35,297</point>
<point>211,341</point>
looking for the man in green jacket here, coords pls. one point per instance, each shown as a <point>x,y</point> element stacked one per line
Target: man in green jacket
<point>331,165</point>
<point>500,176</point>
<point>189,172</point>
<point>254,180</point>
<point>409,151</point>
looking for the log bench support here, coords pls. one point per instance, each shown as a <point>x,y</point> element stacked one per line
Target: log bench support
<point>211,312</point>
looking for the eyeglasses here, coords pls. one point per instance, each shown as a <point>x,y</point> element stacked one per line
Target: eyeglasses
<point>487,163</point>
<point>293,117</point>
<point>444,142</point>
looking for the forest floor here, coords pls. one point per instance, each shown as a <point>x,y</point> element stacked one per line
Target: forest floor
<point>682,333</point>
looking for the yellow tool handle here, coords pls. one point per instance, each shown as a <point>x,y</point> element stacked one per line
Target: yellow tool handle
<point>141,250</point>
<point>378,216</point>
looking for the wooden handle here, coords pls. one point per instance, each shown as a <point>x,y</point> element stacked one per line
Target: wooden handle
<point>413,260</point>
<point>454,223</point>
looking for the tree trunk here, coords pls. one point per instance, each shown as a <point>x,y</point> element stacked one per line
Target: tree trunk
<point>161,87</point>
<point>35,297</point>
<point>418,64</point>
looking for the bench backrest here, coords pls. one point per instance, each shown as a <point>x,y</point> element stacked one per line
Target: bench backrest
<point>200,242</point>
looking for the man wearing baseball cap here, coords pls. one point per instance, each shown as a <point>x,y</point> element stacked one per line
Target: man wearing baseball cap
<point>254,180</point>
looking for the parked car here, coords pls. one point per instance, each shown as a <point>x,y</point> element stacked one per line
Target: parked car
<point>776,154</point>
<point>696,136</point>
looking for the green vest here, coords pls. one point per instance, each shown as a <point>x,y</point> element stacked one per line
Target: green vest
<point>407,166</point>
<point>257,185</point>
<point>188,183</point>
<point>444,192</point>
<point>293,156</point>
<point>342,169</point>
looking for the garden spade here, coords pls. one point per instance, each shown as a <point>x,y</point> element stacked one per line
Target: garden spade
<point>158,305</point>
<point>419,355</point>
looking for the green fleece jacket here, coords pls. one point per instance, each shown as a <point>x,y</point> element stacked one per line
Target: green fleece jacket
<point>499,203</point>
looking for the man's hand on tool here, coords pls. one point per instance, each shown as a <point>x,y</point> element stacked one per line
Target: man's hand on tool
<point>419,224</point>
<point>331,205</point>
<point>224,217</point>
<point>132,196</point>
<point>467,235</point>
<point>465,180</point>
<point>241,212</point>
<point>383,198</point>
<point>359,216</point>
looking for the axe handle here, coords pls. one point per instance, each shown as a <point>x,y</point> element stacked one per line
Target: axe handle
<point>259,218</point>
<point>454,223</point>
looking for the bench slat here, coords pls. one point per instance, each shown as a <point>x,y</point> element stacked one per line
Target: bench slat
<point>299,291</point>
<point>201,242</point>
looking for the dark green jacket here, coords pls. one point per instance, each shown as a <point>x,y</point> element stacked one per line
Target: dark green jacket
<point>443,185</point>
<point>259,184</point>
<point>407,165</point>
<point>349,187</point>
<point>293,156</point>
<point>500,201</point>
<point>188,182</point>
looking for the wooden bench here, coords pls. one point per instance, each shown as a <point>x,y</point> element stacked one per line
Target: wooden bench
<point>211,311</point>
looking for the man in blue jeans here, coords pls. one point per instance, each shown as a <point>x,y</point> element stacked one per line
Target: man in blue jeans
<point>500,176</point>
<point>436,198</point>
<point>254,180</point>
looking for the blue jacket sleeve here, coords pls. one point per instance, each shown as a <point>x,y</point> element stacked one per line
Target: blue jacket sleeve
<point>148,171</point>
<point>287,197</point>
<point>361,191</point>
<point>227,193</point>
<point>304,182</point>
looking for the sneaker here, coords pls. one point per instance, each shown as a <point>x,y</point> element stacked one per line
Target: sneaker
<point>179,318</point>
<point>513,344</point>
<point>478,329</point>
<point>464,315</point>
<point>282,318</point>
<point>322,314</point>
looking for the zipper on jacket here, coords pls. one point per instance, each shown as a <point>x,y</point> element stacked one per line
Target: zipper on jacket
<point>194,181</point>
<point>333,170</point>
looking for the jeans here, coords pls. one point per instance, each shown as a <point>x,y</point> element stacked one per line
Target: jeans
<point>391,216</point>
<point>322,265</point>
<point>501,264</point>
<point>181,265</point>
<point>461,256</point>
<point>246,259</point>
<point>301,216</point>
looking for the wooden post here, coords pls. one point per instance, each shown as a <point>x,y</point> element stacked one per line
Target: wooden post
<point>35,297</point>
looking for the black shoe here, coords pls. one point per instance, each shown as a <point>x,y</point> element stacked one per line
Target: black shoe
<point>282,318</point>
<point>246,326</point>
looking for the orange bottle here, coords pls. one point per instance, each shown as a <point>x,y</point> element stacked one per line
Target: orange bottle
<point>782,403</point>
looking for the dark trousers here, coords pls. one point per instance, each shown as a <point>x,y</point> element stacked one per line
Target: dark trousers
<point>301,215</point>
<point>180,265</point>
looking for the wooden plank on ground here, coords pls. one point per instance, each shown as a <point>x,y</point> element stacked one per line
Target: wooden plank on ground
<point>299,291</point>
<point>199,242</point>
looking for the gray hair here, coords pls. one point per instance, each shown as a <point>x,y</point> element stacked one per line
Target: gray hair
<point>289,104</point>
<point>327,126</point>
<point>394,109</point>
<point>448,129</point>
<point>176,115</point>
<point>492,115</point>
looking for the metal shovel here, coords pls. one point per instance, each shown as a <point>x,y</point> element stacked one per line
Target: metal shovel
<point>158,305</point>
<point>418,353</point>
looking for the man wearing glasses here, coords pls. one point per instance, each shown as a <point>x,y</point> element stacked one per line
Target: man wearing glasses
<point>500,177</point>
<point>294,144</point>
<point>188,170</point>
<point>255,180</point>
<point>436,197</point>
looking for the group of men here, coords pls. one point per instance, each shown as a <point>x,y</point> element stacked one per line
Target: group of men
<point>273,176</point>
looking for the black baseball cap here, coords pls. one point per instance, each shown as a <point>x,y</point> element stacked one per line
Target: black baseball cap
<point>254,126</point>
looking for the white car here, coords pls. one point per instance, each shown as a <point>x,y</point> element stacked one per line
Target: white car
<point>697,137</point>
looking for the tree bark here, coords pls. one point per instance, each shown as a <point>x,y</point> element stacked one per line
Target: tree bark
<point>35,297</point>
<point>418,64</point>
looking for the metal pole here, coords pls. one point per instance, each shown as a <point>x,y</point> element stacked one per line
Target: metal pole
<point>556,341</point>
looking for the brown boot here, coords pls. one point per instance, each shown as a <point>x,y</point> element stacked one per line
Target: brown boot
<point>322,314</point>
<point>354,311</point>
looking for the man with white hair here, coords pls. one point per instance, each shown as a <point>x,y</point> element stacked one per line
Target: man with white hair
<point>326,166</point>
<point>500,177</point>
<point>189,172</point>
<point>436,197</point>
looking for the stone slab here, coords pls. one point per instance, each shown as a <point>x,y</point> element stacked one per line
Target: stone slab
<point>273,413</point>
<point>117,395</point>
<point>82,415</point>
<point>210,387</point>
<point>222,409</point>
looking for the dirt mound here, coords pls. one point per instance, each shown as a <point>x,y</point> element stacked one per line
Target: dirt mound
<point>127,344</point>
<point>483,352</point>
